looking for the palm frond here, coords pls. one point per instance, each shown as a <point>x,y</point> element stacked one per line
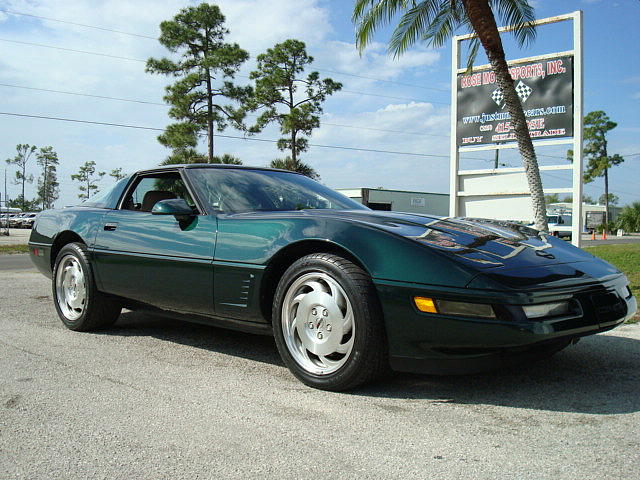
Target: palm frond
<point>444,23</point>
<point>474,46</point>
<point>520,14</point>
<point>370,15</point>
<point>412,25</point>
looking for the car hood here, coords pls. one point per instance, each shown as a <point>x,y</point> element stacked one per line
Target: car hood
<point>479,243</point>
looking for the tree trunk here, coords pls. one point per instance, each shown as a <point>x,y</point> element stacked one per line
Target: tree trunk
<point>484,24</point>
<point>606,186</point>
<point>44,189</point>
<point>606,199</point>
<point>24,179</point>
<point>209,118</point>
<point>294,153</point>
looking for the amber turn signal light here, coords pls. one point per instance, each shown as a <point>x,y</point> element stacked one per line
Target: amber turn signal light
<point>425,304</point>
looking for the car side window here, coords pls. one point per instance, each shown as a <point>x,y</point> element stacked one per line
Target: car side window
<point>148,190</point>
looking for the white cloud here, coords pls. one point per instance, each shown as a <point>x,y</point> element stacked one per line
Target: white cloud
<point>375,61</point>
<point>258,25</point>
<point>414,127</point>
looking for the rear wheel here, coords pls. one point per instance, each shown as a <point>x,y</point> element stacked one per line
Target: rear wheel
<point>79,304</point>
<point>328,323</point>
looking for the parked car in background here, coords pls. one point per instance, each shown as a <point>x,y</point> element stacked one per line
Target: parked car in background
<point>346,291</point>
<point>15,220</point>
<point>27,220</point>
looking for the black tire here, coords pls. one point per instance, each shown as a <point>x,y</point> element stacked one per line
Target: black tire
<point>99,311</point>
<point>368,358</point>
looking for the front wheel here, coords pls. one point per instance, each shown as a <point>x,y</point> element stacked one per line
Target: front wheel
<point>328,324</point>
<point>79,304</point>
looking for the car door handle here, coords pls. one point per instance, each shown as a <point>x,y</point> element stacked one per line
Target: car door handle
<point>110,227</point>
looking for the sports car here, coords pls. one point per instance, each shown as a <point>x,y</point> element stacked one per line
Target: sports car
<point>348,293</point>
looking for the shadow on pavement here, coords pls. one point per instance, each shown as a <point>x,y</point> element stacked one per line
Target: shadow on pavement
<point>260,348</point>
<point>599,375</point>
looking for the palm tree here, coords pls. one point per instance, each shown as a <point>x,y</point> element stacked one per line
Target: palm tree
<point>295,166</point>
<point>227,159</point>
<point>434,22</point>
<point>629,218</point>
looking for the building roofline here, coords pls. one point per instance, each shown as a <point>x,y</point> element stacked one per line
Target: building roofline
<point>391,190</point>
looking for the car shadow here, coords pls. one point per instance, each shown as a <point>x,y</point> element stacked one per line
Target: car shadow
<point>599,375</point>
<point>260,348</point>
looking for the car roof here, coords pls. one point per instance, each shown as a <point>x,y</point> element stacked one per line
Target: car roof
<point>212,165</point>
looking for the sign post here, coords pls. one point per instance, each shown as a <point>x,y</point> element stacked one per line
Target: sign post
<point>550,89</point>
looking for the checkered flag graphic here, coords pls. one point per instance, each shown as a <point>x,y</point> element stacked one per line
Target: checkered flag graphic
<point>498,97</point>
<point>523,91</point>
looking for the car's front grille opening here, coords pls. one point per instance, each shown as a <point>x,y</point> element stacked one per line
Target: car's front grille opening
<point>608,306</point>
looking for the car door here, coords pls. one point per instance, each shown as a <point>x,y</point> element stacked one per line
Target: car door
<point>154,259</point>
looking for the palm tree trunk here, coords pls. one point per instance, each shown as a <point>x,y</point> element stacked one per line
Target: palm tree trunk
<point>481,17</point>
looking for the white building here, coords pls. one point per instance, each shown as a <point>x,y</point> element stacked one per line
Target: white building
<point>400,200</point>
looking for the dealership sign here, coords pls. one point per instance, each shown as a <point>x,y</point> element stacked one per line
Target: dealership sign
<point>545,89</point>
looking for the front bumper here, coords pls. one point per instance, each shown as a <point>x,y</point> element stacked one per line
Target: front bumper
<point>443,344</point>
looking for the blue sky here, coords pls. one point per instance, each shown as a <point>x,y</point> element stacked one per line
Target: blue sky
<point>406,109</point>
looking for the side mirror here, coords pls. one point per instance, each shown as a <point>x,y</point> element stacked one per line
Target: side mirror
<point>176,207</point>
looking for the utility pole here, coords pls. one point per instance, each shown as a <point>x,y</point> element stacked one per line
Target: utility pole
<point>496,159</point>
<point>5,230</point>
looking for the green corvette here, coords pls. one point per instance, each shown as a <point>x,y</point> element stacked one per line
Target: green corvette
<point>347,292</point>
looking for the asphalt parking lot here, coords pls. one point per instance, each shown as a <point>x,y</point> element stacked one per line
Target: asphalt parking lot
<point>159,399</point>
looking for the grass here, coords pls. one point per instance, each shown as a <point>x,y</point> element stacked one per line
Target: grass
<point>14,249</point>
<point>626,258</point>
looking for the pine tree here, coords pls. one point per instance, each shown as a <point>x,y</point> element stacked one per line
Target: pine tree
<point>288,97</point>
<point>48,186</point>
<point>23,155</point>
<point>88,178</point>
<point>199,99</point>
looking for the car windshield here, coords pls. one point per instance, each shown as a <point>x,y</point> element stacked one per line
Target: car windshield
<point>237,190</point>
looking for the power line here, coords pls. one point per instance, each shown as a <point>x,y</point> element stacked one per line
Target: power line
<point>118,57</point>
<point>392,97</point>
<point>599,188</point>
<point>266,140</point>
<point>337,72</point>
<point>120,99</point>
<point>381,80</point>
<point>78,24</point>
<point>102,97</point>
<point>72,50</point>
<point>385,130</point>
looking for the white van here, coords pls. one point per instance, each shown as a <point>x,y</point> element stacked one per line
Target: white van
<point>560,225</point>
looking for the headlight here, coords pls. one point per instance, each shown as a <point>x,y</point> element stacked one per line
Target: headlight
<point>448,307</point>
<point>547,309</point>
